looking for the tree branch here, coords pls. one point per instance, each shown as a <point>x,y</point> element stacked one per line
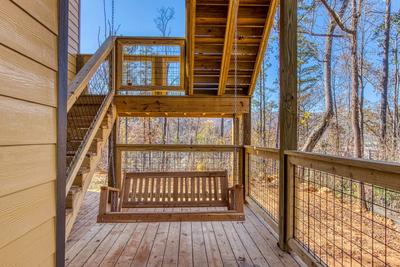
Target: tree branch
<point>336,17</point>
<point>321,34</point>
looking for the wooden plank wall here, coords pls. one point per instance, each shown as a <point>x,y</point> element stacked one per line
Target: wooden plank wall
<point>73,34</point>
<point>28,106</point>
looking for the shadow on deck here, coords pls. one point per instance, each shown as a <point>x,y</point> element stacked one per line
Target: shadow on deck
<point>249,243</point>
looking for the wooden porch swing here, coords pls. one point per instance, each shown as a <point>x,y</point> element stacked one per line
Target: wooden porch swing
<point>171,196</point>
<point>188,195</point>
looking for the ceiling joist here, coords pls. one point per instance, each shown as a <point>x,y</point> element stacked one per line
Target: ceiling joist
<point>191,28</point>
<point>228,44</point>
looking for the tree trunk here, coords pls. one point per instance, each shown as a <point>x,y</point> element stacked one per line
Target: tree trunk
<point>362,90</point>
<point>317,133</point>
<point>396,100</point>
<point>384,81</point>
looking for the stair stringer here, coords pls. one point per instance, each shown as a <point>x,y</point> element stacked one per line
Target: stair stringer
<point>71,215</point>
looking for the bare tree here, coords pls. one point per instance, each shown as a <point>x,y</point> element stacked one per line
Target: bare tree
<point>385,79</point>
<point>317,133</point>
<point>356,9</point>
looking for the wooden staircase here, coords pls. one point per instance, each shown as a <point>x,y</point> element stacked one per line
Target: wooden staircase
<point>90,120</point>
<point>88,167</point>
<point>75,135</point>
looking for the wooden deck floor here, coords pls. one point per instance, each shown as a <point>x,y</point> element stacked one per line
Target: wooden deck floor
<point>248,243</point>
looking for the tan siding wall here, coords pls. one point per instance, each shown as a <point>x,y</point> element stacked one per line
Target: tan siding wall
<point>28,102</point>
<point>73,40</point>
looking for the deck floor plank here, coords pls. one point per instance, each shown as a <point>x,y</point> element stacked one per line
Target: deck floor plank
<point>114,253</point>
<point>249,243</point>
<point>160,242</point>
<point>185,258</point>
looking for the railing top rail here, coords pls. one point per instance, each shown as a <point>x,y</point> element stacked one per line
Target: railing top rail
<point>383,166</point>
<point>183,174</point>
<point>177,148</point>
<point>378,173</point>
<point>266,152</point>
<point>81,80</point>
<point>143,40</point>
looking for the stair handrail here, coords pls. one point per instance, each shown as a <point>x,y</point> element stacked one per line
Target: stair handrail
<point>76,88</point>
<point>82,78</point>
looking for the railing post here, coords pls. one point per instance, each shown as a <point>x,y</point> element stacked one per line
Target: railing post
<point>118,168</point>
<point>287,112</point>
<point>246,129</point>
<point>237,154</point>
<point>111,156</point>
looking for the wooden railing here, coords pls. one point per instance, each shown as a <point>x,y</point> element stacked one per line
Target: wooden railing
<point>132,157</point>
<point>150,65</point>
<point>82,79</point>
<point>262,183</point>
<point>88,105</point>
<point>341,211</point>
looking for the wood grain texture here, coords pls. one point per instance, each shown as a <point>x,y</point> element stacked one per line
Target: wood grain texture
<point>73,37</point>
<point>38,167</point>
<point>31,249</point>
<point>26,123</point>
<point>287,112</point>
<point>27,36</point>
<point>127,105</point>
<point>249,243</point>
<point>22,212</point>
<point>45,11</point>
<point>18,73</point>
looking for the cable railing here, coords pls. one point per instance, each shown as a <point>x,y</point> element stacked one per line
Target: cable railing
<point>346,212</point>
<point>150,66</point>
<point>339,211</point>
<point>263,185</point>
<point>90,97</point>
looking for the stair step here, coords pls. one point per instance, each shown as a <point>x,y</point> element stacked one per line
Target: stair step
<point>90,99</point>
<point>83,110</point>
<point>79,134</point>
<point>72,196</point>
<point>83,121</point>
<point>68,215</point>
<point>85,163</point>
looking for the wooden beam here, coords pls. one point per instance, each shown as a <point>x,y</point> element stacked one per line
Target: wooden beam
<point>140,58</point>
<point>173,41</point>
<point>287,116</point>
<point>228,44</point>
<point>263,45</point>
<point>178,105</point>
<point>190,34</point>
<point>246,133</point>
<point>176,148</point>
<point>125,217</point>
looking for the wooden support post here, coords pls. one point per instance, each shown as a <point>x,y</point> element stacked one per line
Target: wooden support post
<point>112,141</point>
<point>246,130</point>
<point>103,200</point>
<point>118,168</point>
<point>239,198</point>
<point>236,140</point>
<point>287,115</point>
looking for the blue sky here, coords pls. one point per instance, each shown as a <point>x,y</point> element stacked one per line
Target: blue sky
<point>135,18</point>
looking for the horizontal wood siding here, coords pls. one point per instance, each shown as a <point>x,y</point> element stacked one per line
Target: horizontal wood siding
<point>28,117</point>
<point>73,37</point>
